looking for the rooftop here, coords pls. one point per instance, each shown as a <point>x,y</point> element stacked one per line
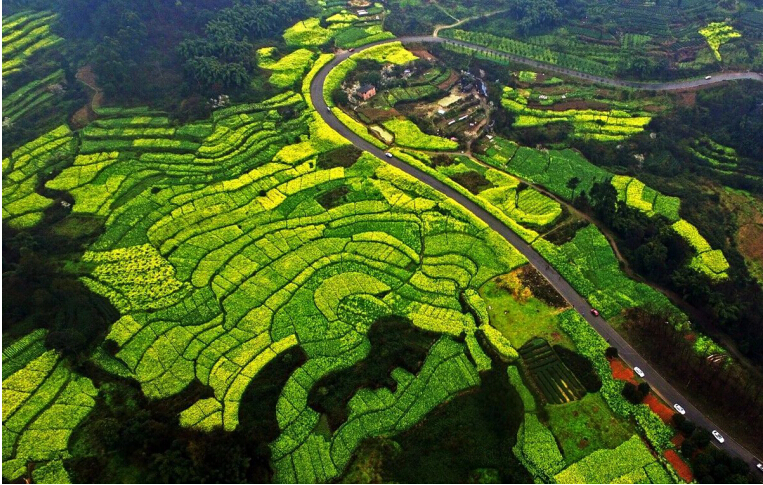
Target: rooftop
<point>366,88</point>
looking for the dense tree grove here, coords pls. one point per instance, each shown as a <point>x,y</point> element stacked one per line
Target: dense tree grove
<point>734,116</point>
<point>222,56</point>
<point>675,355</point>
<point>534,15</point>
<point>710,464</point>
<point>653,246</point>
<point>143,49</point>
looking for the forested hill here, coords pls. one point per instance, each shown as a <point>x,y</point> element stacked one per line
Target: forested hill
<point>160,51</point>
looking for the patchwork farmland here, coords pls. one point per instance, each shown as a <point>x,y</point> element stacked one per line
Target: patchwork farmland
<point>273,242</point>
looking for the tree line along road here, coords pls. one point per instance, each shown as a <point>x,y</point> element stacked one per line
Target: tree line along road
<point>627,353</point>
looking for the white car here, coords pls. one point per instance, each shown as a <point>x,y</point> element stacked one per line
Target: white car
<point>679,408</point>
<point>638,371</point>
<point>708,77</point>
<point>388,155</point>
<point>759,466</point>
<point>718,436</point>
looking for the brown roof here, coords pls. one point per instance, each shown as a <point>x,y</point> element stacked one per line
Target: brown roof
<point>366,88</point>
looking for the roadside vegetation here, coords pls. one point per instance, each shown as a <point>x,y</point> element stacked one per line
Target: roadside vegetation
<point>204,282</point>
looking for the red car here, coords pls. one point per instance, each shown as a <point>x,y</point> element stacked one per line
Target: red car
<point>351,49</point>
<point>594,312</point>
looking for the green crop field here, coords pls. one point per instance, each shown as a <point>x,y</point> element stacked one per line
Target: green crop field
<point>606,38</point>
<point>613,125</point>
<point>589,264</point>
<point>24,34</point>
<point>207,283</point>
<point>533,51</point>
<point>287,70</point>
<point>550,168</point>
<point>585,425</point>
<point>43,401</point>
<point>408,135</point>
<point>232,262</point>
<point>521,319</point>
<point>630,462</point>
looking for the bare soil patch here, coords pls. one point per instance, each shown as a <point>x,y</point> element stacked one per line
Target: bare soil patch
<point>751,241</point>
<point>540,287</point>
<point>686,98</point>
<point>86,114</point>
<point>448,82</point>
<point>423,53</point>
<point>377,114</point>
<point>577,104</point>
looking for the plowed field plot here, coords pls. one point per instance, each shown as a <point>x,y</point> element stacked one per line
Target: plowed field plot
<point>557,383</point>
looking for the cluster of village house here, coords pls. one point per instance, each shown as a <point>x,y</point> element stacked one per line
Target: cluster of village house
<point>468,83</point>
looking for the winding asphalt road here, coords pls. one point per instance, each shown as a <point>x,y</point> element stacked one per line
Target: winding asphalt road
<point>627,353</point>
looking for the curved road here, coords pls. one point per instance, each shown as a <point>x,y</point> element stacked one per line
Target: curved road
<point>627,353</point>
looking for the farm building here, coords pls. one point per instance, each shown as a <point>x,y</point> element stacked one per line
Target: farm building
<point>367,91</point>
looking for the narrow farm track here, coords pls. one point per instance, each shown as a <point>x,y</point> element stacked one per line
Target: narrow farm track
<point>627,353</point>
<point>438,28</point>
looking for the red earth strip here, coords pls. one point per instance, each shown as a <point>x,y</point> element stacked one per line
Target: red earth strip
<point>660,409</point>
<point>679,466</point>
<point>621,371</point>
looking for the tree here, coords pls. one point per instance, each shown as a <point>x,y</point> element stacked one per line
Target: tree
<point>644,388</point>
<point>611,352</point>
<point>340,97</point>
<point>701,437</point>
<point>632,393</point>
<point>692,285</point>
<point>603,197</point>
<point>687,427</point>
<point>678,419</point>
<point>535,15</point>
<point>572,184</point>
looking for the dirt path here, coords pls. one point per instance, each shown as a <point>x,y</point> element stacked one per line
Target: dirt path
<point>86,114</point>
<point>438,28</point>
<point>442,9</point>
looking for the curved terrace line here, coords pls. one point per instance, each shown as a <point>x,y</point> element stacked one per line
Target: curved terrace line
<point>626,352</point>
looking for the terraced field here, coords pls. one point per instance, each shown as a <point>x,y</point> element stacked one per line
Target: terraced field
<point>43,401</point>
<point>554,168</point>
<point>26,35</point>
<point>338,25</point>
<point>633,192</point>
<point>23,170</point>
<point>612,125</point>
<point>229,241</point>
<point>219,258</point>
